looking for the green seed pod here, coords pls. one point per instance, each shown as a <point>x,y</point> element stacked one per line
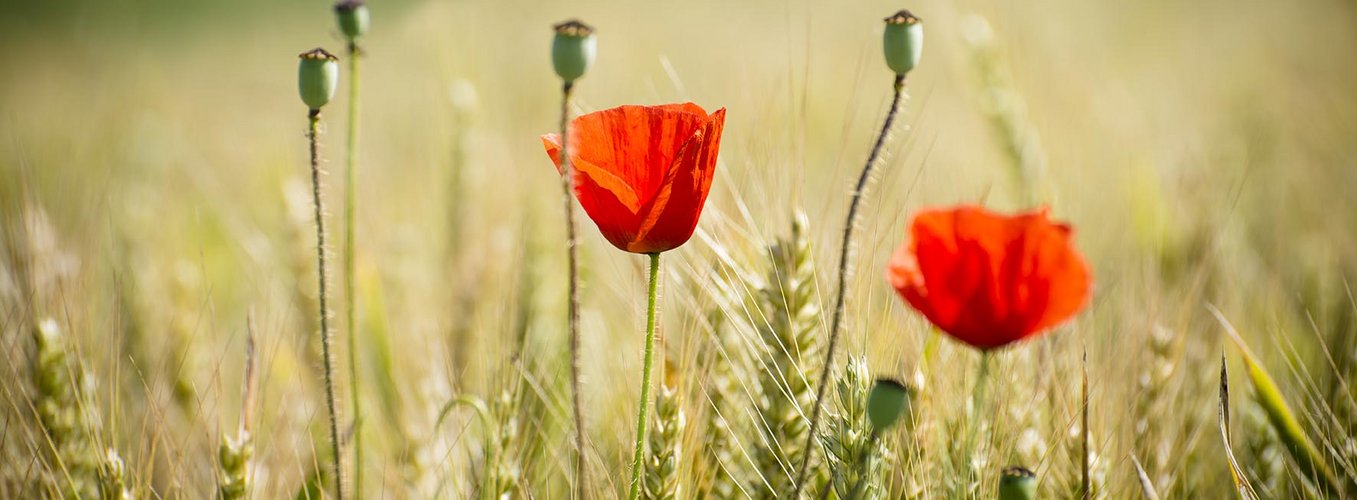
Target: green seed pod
<point>573,49</point>
<point>317,77</point>
<point>353,18</point>
<point>903,42</point>
<point>1017,483</point>
<point>888,401</point>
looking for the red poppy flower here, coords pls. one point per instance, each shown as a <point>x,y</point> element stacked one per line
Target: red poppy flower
<point>988,279</point>
<point>642,173</point>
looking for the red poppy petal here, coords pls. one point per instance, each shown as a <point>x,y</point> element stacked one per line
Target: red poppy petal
<point>605,180</point>
<point>552,143</point>
<point>1068,282</point>
<point>617,187</point>
<point>936,251</point>
<point>988,279</point>
<point>607,200</point>
<point>974,283</point>
<point>1046,281</point>
<point>904,275</point>
<point>686,107</point>
<point>614,218</point>
<point>631,141</point>
<point>671,216</point>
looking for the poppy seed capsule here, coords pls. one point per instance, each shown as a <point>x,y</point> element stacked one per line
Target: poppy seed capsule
<point>353,18</point>
<point>1017,483</point>
<point>903,42</point>
<point>317,77</point>
<point>888,401</point>
<point>573,49</point>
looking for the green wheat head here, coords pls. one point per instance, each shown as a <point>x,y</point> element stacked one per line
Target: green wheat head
<point>790,329</point>
<point>71,423</point>
<point>666,446</point>
<point>853,459</point>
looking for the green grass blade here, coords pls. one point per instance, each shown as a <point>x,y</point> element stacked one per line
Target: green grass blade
<point>1241,481</point>
<point>1279,414</point>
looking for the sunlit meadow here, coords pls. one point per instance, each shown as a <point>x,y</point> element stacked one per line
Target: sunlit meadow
<point>159,239</point>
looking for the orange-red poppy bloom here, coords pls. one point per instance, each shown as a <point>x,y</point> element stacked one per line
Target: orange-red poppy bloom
<point>642,173</point>
<point>989,279</point>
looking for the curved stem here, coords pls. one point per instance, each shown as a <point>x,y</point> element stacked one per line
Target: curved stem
<point>573,307</point>
<point>487,424</point>
<point>643,414</point>
<point>323,292</point>
<point>351,298</point>
<point>845,273</point>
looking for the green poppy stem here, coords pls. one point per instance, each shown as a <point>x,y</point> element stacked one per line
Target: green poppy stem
<point>643,414</point>
<point>1085,483</point>
<point>573,307</point>
<point>980,402</point>
<point>350,297</point>
<point>323,285</point>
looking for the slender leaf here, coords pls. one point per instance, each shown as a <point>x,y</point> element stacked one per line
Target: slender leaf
<point>1241,481</point>
<point>1279,414</point>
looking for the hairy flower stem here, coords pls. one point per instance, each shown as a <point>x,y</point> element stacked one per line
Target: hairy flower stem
<point>351,298</point>
<point>573,305</point>
<point>643,414</point>
<point>845,273</point>
<point>323,285</point>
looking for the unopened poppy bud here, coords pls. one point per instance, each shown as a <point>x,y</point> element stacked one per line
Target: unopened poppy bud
<point>903,41</point>
<point>317,77</point>
<point>888,401</point>
<point>1017,483</point>
<point>573,49</point>
<point>353,18</point>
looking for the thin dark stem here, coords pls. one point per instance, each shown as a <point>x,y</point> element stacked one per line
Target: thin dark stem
<point>642,415</point>
<point>323,286</point>
<point>573,307</point>
<point>351,298</point>
<point>845,273</point>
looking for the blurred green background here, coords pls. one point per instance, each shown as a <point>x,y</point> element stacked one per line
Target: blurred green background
<point>1205,152</point>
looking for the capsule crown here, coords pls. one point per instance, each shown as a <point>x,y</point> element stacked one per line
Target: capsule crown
<point>1017,483</point>
<point>573,49</point>
<point>353,18</point>
<point>317,77</point>
<point>903,41</point>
